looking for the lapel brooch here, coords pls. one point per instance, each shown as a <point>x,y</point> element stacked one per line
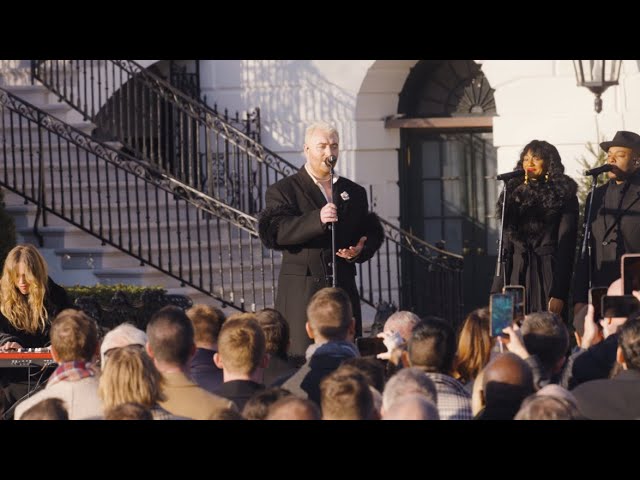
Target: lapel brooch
<point>344,196</point>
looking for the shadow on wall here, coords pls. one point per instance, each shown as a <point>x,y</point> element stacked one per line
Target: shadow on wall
<point>291,94</point>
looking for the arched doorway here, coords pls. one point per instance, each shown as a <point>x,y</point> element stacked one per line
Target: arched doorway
<point>447,164</point>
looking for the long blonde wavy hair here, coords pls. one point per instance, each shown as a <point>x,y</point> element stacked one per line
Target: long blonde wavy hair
<point>24,312</point>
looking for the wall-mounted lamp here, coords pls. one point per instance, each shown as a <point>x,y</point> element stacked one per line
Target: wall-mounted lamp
<point>597,76</point>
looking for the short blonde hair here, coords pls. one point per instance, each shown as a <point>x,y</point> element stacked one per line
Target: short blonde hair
<point>74,336</point>
<point>330,313</point>
<point>207,322</point>
<point>241,344</point>
<point>323,127</point>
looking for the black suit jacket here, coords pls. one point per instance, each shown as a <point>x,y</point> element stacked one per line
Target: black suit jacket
<point>611,399</point>
<point>605,259</point>
<point>291,222</point>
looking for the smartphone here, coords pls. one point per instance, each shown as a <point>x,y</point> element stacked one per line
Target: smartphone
<point>630,267</point>
<point>619,306</point>
<point>501,308</point>
<point>595,299</point>
<point>370,346</point>
<point>518,301</point>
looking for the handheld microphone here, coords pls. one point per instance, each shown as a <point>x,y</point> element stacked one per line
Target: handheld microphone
<point>598,170</point>
<point>331,161</point>
<point>510,175</point>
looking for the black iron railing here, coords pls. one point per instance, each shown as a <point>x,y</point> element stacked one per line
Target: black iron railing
<point>161,124</point>
<point>135,207</point>
<point>210,154</point>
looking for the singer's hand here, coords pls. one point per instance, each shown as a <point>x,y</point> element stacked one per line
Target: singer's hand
<point>329,213</point>
<point>556,305</point>
<point>352,252</point>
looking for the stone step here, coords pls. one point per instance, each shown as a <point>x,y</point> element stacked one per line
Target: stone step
<point>59,110</point>
<point>54,155</point>
<point>24,214</point>
<point>34,94</point>
<point>111,257</point>
<point>11,133</point>
<point>63,236</point>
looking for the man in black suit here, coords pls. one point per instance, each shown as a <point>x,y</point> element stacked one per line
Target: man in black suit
<point>298,219</point>
<point>615,219</point>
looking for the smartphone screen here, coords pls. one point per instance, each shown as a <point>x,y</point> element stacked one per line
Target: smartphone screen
<point>370,346</point>
<point>595,299</point>
<point>518,301</point>
<point>630,272</point>
<point>619,306</point>
<point>501,307</point>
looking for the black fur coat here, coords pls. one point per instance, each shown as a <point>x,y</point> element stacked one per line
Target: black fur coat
<point>532,207</point>
<point>541,225</point>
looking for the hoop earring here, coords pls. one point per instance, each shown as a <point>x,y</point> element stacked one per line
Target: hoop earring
<point>526,177</point>
<point>546,177</point>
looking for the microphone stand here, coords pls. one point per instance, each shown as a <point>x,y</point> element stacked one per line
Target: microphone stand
<point>334,266</point>
<point>586,244</point>
<point>500,259</point>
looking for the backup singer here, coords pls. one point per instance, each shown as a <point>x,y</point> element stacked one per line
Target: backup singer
<point>541,221</point>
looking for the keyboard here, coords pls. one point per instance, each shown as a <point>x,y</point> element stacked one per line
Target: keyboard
<point>26,358</point>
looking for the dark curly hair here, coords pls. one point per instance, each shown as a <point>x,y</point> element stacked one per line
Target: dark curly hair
<point>532,206</point>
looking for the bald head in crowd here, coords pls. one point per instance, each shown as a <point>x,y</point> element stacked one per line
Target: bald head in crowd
<point>510,369</point>
<point>507,380</point>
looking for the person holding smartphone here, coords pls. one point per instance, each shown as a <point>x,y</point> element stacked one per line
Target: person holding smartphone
<point>540,229</point>
<point>615,218</point>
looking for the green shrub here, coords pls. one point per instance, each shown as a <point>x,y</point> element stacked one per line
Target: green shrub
<point>104,293</point>
<point>111,305</point>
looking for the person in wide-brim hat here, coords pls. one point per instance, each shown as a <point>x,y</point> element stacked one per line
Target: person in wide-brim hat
<point>622,153</point>
<point>625,139</point>
<point>614,223</point>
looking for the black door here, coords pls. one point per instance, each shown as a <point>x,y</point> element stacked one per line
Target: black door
<point>447,199</point>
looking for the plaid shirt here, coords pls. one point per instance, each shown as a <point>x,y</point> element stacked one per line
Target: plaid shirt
<point>71,371</point>
<point>454,402</point>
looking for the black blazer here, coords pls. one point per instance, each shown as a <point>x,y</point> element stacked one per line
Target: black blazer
<point>605,259</point>
<point>611,399</point>
<point>291,223</point>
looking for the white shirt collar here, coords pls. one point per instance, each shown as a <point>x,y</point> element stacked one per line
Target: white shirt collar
<point>315,180</point>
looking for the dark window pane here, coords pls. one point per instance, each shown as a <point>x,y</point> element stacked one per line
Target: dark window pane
<point>433,231</point>
<point>431,197</point>
<point>453,235</point>
<point>430,159</point>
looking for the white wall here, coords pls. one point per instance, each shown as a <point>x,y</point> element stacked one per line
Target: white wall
<point>535,99</point>
<point>355,95</point>
<point>540,100</point>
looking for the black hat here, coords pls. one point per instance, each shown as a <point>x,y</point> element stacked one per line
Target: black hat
<point>623,138</point>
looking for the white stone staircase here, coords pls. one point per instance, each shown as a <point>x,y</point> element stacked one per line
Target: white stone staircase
<point>78,258</point>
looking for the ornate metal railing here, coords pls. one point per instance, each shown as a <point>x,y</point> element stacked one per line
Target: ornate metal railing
<point>214,156</point>
<point>157,122</point>
<point>441,294</point>
<point>135,207</point>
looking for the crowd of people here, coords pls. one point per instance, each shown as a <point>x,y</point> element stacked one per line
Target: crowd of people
<point>301,360</point>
